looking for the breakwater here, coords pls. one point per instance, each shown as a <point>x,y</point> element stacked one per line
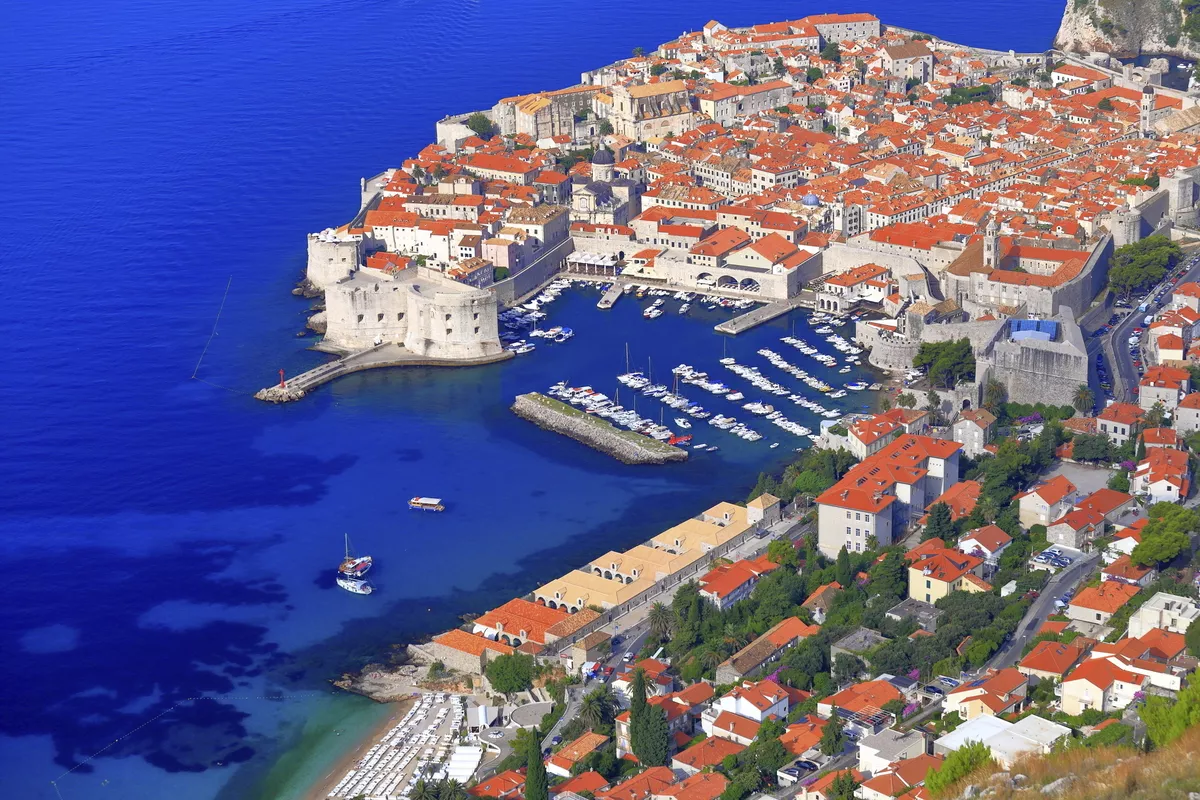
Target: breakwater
<point>625,446</point>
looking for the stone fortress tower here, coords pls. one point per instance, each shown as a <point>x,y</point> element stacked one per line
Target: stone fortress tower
<point>1125,224</point>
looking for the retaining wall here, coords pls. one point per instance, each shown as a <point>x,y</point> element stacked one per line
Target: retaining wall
<point>594,432</point>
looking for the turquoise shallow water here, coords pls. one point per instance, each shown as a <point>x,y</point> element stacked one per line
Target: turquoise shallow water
<point>168,544</point>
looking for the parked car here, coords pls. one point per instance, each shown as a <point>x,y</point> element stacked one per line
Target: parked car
<point>811,766</point>
<point>556,740</point>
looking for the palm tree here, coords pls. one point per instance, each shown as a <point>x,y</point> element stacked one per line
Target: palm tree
<point>994,395</point>
<point>451,789</point>
<point>1084,400</point>
<point>662,621</point>
<point>423,790</point>
<point>595,709</point>
<point>711,658</point>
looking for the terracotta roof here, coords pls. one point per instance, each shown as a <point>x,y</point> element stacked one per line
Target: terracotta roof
<point>470,643</point>
<point>1053,490</point>
<point>1121,413</point>
<point>590,781</point>
<point>863,696</point>
<point>1108,597</point>
<point>736,724</point>
<point>803,735</point>
<point>1101,673</point>
<point>506,783</point>
<point>709,753</point>
<point>1052,657</point>
<point>989,537</point>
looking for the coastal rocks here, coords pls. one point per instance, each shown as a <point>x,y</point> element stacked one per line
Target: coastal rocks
<point>316,323</point>
<point>625,446</point>
<point>382,684</point>
<point>1124,26</point>
<point>307,289</point>
<point>278,394</point>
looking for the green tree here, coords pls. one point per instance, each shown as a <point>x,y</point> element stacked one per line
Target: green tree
<point>847,667</point>
<point>1166,535</point>
<point>1166,722</point>
<point>1156,416</point>
<point>833,740</point>
<point>596,710</point>
<point>949,363</point>
<point>605,128</point>
<point>906,400</point>
<point>889,577</point>
<point>653,743</point>
<point>995,395</point>
<point>1084,401</point>
<point>957,766</point>
<point>813,74</point>
<point>662,621</point>
<point>1142,263</point>
<point>423,790</point>
<point>638,52</point>
<point>831,52</point>
<point>1089,447</point>
<point>451,789</point>
<point>842,573</point>
<point>481,125</point>
<point>780,67</point>
<point>939,525</point>
<point>1105,104</point>
<point>510,673</point>
<point>783,552</point>
<point>537,786</point>
<point>637,709</point>
<point>1119,482</point>
<point>844,787</point>
<point>658,69</point>
<point>1192,638</point>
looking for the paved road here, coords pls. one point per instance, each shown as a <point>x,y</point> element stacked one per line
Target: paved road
<point>1041,609</point>
<point>1116,349</point>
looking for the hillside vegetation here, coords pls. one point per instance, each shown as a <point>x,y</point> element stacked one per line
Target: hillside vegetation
<point>1131,26</point>
<point>1096,773</point>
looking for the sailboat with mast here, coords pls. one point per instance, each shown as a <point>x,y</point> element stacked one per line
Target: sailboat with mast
<point>354,566</point>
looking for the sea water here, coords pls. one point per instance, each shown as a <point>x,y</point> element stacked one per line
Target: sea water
<point>168,620</point>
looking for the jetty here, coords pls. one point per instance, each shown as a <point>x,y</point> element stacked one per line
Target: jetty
<point>380,356</point>
<point>599,434</point>
<point>613,294</point>
<point>757,316</point>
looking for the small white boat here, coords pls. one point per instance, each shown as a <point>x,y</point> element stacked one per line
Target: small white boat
<point>700,446</point>
<point>525,348</point>
<point>355,586</point>
<point>683,423</point>
<point>712,449</point>
<point>775,445</point>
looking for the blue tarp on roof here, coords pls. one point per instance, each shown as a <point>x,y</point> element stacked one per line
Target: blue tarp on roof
<point>1043,329</point>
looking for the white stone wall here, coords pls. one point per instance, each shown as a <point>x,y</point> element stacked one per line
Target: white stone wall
<point>426,313</point>
<point>331,258</point>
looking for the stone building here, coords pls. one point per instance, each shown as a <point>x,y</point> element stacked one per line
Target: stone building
<point>653,110</point>
<point>543,114</point>
<point>332,256</point>
<point>418,308</point>
<point>604,199</point>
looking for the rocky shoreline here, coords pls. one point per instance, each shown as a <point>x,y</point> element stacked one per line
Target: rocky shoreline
<point>625,446</point>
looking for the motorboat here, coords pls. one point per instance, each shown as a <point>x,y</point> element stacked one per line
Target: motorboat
<point>355,586</point>
<point>426,504</point>
<point>683,423</point>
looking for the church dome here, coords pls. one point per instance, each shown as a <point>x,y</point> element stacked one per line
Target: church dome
<point>603,157</point>
<point>810,200</point>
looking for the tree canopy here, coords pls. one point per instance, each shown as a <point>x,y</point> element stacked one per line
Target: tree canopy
<point>939,525</point>
<point>949,363</point>
<point>510,673</point>
<point>1166,535</point>
<point>483,127</point>
<point>957,766</point>
<point>1142,263</point>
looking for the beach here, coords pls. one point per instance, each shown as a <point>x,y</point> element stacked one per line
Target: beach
<point>320,789</point>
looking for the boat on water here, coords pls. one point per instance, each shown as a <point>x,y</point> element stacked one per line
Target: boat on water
<point>683,423</point>
<point>857,386</point>
<point>711,449</point>
<point>354,566</point>
<point>426,504</point>
<point>354,585</point>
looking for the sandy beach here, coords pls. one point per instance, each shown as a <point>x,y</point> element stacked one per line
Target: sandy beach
<point>321,789</point>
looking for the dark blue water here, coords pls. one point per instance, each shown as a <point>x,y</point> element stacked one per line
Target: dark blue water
<point>167,544</point>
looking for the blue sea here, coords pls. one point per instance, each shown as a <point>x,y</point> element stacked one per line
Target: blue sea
<point>168,621</point>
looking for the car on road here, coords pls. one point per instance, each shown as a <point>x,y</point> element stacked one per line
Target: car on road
<point>608,671</point>
<point>792,772</point>
<point>811,766</point>
<point>546,753</point>
<point>934,690</point>
<point>556,740</point>
<point>627,657</point>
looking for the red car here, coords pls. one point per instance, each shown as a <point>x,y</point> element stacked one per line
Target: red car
<point>608,671</point>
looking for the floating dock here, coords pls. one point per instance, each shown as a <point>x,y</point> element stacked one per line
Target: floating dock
<point>757,316</point>
<point>613,294</point>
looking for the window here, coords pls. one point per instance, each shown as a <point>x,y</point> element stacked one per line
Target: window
<point>399,316</point>
<point>847,515</point>
<point>360,317</point>
<point>447,318</point>
<point>1097,616</point>
<point>476,329</point>
<point>476,315</point>
<point>857,515</point>
<point>379,318</point>
<point>926,598</point>
<point>866,517</point>
<point>847,530</point>
<point>857,532</point>
<point>858,546</point>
